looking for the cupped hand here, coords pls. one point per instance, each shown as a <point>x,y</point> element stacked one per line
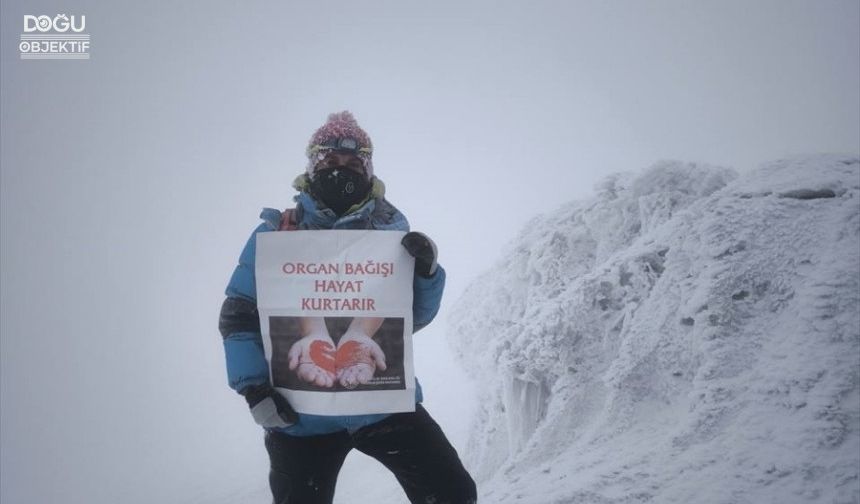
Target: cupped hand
<point>313,360</point>
<point>358,358</point>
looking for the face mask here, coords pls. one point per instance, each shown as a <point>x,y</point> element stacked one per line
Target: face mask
<point>340,188</point>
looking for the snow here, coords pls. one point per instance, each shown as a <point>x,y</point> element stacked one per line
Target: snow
<point>688,335</point>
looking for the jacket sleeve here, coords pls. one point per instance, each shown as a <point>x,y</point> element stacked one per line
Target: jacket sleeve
<point>426,298</point>
<point>239,323</point>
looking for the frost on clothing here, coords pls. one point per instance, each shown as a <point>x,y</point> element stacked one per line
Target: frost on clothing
<point>689,335</point>
<point>246,362</point>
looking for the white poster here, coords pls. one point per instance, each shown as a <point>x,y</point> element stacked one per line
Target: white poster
<point>336,318</point>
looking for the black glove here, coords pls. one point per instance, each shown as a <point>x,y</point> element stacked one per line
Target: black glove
<point>269,408</point>
<point>423,250</point>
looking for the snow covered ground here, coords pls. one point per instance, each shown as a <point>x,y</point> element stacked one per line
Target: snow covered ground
<point>688,336</point>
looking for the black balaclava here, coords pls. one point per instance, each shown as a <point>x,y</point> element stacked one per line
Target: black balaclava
<point>340,188</point>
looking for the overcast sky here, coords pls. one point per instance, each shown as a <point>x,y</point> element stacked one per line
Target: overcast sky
<point>131,181</point>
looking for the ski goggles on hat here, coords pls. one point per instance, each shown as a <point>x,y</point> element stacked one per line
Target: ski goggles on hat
<point>340,145</point>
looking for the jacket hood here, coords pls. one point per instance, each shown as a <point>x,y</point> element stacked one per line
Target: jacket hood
<point>302,183</point>
<point>375,212</point>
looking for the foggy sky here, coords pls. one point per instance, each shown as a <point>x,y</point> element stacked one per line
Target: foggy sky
<point>131,181</point>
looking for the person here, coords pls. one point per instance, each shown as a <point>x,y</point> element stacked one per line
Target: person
<point>339,190</point>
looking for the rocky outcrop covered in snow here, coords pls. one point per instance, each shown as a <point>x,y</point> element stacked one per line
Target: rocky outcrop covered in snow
<point>689,335</point>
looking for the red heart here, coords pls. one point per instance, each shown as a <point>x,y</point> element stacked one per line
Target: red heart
<point>352,353</point>
<point>322,353</point>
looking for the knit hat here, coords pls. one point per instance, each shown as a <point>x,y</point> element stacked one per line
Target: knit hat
<point>340,133</point>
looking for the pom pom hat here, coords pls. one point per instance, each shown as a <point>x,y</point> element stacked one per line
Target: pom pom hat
<point>340,133</point>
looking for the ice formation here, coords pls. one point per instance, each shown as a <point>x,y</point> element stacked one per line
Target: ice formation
<point>689,335</point>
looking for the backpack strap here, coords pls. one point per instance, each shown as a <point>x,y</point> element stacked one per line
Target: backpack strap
<point>288,220</point>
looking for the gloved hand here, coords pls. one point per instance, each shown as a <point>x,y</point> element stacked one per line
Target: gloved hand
<point>422,248</point>
<point>313,359</point>
<point>269,408</point>
<point>358,358</point>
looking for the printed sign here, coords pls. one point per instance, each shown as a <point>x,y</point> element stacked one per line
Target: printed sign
<point>336,318</point>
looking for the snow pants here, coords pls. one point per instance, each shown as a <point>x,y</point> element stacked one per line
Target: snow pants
<point>411,445</point>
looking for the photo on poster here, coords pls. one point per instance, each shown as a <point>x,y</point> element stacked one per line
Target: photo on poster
<point>285,333</point>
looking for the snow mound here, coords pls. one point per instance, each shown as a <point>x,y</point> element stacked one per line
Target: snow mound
<point>689,335</point>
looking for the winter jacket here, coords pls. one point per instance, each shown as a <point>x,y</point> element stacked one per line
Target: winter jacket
<point>239,321</point>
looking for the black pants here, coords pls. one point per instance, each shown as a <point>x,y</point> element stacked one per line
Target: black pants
<point>411,445</point>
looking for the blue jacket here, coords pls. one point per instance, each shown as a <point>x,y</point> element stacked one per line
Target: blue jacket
<point>243,344</point>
